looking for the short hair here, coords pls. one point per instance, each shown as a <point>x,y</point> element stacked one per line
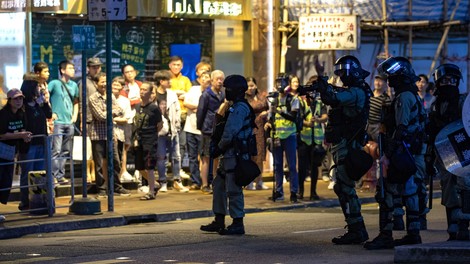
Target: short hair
<point>97,77</point>
<point>29,88</point>
<point>38,67</point>
<point>216,73</point>
<point>120,80</point>
<point>202,64</point>
<point>125,65</point>
<point>175,58</point>
<point>161,75</point>
<point>205,72</point>
<point>63,65</point>
<point>424,76</point>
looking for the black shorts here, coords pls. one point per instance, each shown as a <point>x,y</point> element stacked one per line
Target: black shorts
<point>145,159</point>
<point>206,144</point>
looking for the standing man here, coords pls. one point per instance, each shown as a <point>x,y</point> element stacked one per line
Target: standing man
<point>64,101</point>
<point>181,85</point>
<point>169,143</point>
<point>407,130</point>
<point>346,131</point>
<point>239,126</point>
<point>93,68</point>
<point>448,108</point>
<point>209,103</point>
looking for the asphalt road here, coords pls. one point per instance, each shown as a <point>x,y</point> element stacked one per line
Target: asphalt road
<point>297,236</point>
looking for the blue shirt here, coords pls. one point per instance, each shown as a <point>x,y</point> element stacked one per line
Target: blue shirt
<point>61,102</point>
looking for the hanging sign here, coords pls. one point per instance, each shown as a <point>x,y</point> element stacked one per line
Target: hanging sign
<point>329,32</point>
<point>109,10</point>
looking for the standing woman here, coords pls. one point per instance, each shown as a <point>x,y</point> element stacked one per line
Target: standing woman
<point>12,131</point>
<point>260,107</point>
<point>37,110</point>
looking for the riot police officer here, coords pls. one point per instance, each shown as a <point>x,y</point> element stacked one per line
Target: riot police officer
<point>238,128</point>
<point>345,131</point>
<point>448,108</point>
<point>407,130</point>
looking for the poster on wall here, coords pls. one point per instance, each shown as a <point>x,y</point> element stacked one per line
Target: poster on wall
<point>329,32</point>
<point>191,55</point>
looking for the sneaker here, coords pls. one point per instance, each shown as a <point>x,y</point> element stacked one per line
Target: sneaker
<point>331,185</point>
<point>2,218</point>
<point>23,207</point>
<point>102,194</point>
<point>62,181</point>
<point>164,187</point>
<point>325,178</point>
<point>261,186</point>
<point>184,175</point>
<point>212,227</point>
<point>308,179</point>
<point>233,230</point>
<point>314,197</point>
<point>179,187</point>
<point>250,187</point>
<point>143,189</point>
<point>194,187</point>
<point>122,192</point>
<point>206,190</point>
<point>277,197</point>
<point>127,177</point>
<point>382,241</point>
<point>147,197</point>
<point>408,240</point>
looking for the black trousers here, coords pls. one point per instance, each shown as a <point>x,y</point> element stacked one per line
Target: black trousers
<point>99,151</point>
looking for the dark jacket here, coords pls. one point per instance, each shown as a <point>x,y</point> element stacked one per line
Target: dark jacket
<point>208,105</point>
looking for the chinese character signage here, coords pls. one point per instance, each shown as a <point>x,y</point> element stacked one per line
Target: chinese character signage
<point>37,5</point>
<point>231,8</point>
<point>83,37</point>
<point>329,32</point>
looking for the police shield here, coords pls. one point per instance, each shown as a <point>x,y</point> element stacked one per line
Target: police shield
<point>466,115</point>
<point>453,147</point>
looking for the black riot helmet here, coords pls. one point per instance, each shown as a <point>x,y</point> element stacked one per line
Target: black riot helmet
<point>451,72</point>
<point>235,87</point>
<point>349,70</point>
<point>398,71</point>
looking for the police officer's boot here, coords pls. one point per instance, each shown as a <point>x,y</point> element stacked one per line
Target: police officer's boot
<point>236,228</point>
<point>423,222</point>
<point>215,226</point>
<point>356,234</point>
<point>398,223</point>
<point>383,241</point>
<point>463,233</point>
<point>452,225</point>
<point>411,238</point>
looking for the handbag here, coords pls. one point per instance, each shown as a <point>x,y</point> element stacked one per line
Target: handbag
<point>246,171</point>
<point>77,152</point>
<point>357,163</point>
<point>7,152</point>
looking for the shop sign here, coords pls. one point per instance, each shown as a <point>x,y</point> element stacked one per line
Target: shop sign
<point>204,8</point>
<point>37,5</point>
<point>12,29</point>
<point>329,32</point>
<point>84,37</point>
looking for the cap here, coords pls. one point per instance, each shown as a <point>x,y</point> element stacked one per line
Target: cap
<point>380,76</point>
<point>94,62</point>
<point>13,93</point>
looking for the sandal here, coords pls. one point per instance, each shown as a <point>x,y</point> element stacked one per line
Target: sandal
<point>147,197</point>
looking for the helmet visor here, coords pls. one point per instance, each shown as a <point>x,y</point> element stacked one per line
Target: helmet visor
<point>390,67</point>
<point>447,70</point>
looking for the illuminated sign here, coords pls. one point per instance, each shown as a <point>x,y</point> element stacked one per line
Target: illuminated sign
<point>37,5</point>
<point>329,32</point>
<point>204,7</point>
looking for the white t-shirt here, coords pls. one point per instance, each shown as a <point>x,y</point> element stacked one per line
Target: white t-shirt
<point>125,104</point>
<point>192,97</point>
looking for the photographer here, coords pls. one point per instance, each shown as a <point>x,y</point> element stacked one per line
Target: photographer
<point>346,131</point>
<point>283,134</point>
<point>232,144</point>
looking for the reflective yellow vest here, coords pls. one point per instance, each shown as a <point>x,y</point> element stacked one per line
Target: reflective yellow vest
<point>283,127</point>
<point>306,133</point>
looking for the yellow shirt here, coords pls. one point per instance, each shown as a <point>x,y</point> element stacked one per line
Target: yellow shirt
<point>181,84</point>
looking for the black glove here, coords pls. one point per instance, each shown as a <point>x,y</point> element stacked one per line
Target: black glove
<point>322,85</point>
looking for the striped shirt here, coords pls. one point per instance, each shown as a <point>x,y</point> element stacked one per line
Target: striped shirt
<point>376,104</point>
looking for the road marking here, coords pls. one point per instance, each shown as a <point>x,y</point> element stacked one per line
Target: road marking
<point>29,260</point>
<point>316,230</point>
<point>107,261</point>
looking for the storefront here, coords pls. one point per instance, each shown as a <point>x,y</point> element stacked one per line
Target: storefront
<point>215,31</point>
